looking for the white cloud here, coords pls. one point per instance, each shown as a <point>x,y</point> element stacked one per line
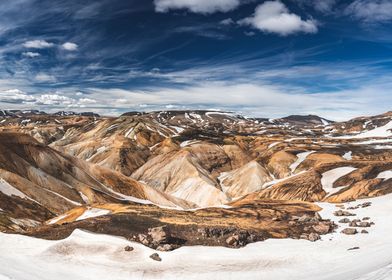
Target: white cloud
<point>197,6</point>
<point>38,44</point>
<point>262,100</point>
<point>43,77</point>
<point>15,96</point>
<point>371,11</point>
<point>274,17</point>
<point>69,46</point>
<point>31,54</point>
<point>227,21</point>
<point>56,99</point>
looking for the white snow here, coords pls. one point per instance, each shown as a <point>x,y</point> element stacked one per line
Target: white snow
<point>329,177</point>
<point>9,190</point>
<point>92,212</point>
<point>348,155</point>
<point>385,175</point>
<point>382,131</point>
<point>128,132</point>
<point>92,256</point>
<point>58,218</point>
<point>324,121</point>
<point>273,145</point>
<point>300,158</point>
<point>188,143</point>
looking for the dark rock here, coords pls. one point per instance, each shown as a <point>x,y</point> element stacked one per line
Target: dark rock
<point>344,221</point>
<point>128,248</point>
<point>366,204</point>
<point>364,231</point>
<point>156,257</point>
<point>366,219</point>
<point>364,224</point>
<point>353,248</point>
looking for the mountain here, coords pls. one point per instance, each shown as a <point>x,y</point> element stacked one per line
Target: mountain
<point>205,176</point>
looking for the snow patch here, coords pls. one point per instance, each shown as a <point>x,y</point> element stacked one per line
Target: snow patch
<point>348,155</point>
<point>329,178</point>
<point>92,212</point>
<point>300,158</point>
<point>385,175</point>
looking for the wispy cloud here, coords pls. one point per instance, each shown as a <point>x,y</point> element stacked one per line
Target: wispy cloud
<point>371,11</point>
<point>38,44</point>
<point>199,6</point>
<point>31,54</point>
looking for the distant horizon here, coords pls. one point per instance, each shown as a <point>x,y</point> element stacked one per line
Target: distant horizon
<point>54,111</point>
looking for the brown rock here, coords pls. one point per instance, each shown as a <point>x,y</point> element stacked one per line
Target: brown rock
<point>364,224</point>
<point>343,213</point>
<point>353,224</point>
<point>232,240</point>
<point>143,239</point>
<point>322,228</point>
<point>349,231</point>
<point>313,237</point>
<point>159,235</point>
<point>364,231</point>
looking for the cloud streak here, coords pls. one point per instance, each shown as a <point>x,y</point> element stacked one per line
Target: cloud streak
<point>196,6</point>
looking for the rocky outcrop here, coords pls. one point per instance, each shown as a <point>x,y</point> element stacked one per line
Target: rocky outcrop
<point>305,187</point>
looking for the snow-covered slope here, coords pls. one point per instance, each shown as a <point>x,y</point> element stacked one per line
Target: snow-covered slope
<point>91,256</point>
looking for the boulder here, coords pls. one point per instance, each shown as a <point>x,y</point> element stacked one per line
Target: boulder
<point>156,257</point>
<point>313,237</point>
<point>349,231</point>
<point>322,228</point>
<point>353,224</point>
<point>366,204</point>
<point>364,224</point>
<point>344,221</point>
<point>128,248</point>
<point>232,240</point>
<point>340,213</point>
<point>159,235</point>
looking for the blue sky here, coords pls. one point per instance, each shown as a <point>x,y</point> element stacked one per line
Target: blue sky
<point>261,58</point>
